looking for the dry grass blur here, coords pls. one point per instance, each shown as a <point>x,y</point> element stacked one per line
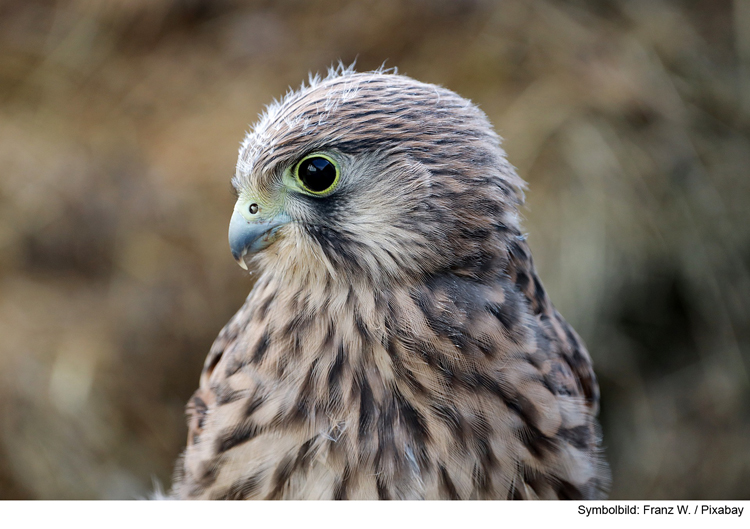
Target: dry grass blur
<point>119,126</point>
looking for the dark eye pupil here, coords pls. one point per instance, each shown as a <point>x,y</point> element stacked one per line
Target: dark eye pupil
<point>318,174</point>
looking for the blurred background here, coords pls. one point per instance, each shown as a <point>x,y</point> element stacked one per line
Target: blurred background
<point>120,122</point>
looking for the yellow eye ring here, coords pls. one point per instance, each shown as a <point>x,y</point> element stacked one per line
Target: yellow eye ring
<point>317,174</point>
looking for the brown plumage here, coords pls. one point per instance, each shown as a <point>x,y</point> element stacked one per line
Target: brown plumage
<point>398,343</point>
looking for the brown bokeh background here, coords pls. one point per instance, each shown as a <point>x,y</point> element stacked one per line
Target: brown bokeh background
<point>119,127</point>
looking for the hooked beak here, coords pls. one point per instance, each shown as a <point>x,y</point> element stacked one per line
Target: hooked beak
<point>251,232</point>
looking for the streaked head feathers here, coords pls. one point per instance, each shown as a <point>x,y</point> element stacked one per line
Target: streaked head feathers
<point>424,181</point>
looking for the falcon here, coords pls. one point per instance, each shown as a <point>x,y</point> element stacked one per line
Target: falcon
<point>397,343</point>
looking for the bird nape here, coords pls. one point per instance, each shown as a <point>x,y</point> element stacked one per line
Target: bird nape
<point>398,343</point>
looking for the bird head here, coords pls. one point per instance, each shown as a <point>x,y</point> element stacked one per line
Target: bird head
<point>372,176</point>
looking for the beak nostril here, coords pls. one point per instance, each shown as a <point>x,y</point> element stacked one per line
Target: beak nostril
<point>249,235</point>
<point>253,209</point>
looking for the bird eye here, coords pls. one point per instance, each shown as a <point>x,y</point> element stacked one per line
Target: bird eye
<point>318,174</point>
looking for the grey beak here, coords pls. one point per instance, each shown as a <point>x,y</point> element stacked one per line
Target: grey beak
<point>249,237</point>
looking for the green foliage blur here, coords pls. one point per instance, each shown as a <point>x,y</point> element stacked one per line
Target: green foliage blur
<point>120,122</point>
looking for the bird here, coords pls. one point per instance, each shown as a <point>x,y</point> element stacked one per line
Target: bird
<point>397,342</point>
